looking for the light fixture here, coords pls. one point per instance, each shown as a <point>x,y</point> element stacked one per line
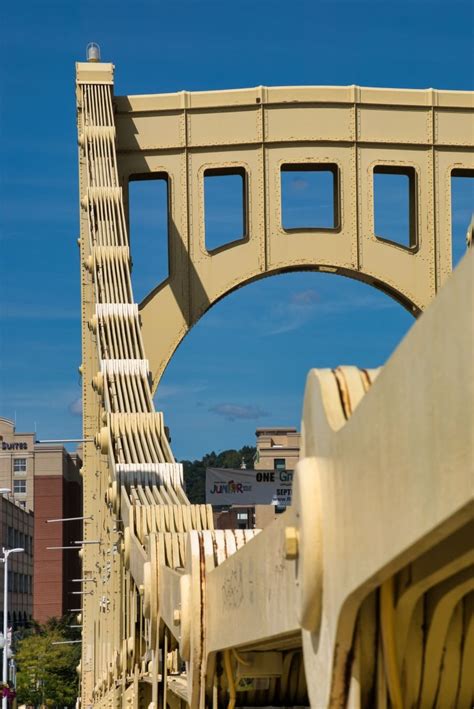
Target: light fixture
<point>93,52</point>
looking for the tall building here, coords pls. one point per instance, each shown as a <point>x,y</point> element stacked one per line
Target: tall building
<point>46,478</point>
<point>16,531</point>
<point>278,449</point>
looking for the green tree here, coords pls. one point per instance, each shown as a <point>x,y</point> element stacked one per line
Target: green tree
<point>46,672</point>
<point>195,471</point>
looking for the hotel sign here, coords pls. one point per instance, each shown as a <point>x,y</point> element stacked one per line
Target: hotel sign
<point>16,446</point>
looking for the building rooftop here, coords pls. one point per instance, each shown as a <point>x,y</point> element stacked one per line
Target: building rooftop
<point>276,429</point>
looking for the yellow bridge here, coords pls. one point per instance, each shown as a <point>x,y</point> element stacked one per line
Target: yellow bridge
<point>362,593</point>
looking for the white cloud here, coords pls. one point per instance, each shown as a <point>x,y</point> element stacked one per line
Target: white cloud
<point>303,306</point>
<point>232,411</point>
<point>299,184</point>
<point>305,297</point>
<point>75,407</point>
<point>38,312</point>
<point>172,391</point>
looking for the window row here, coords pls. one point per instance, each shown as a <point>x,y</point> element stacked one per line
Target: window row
<point>19,486</point>
<point>20,583</point>
<point>16,619</point>
<point>19,540</point>
<point>19,465</point>
<point>310,201</point>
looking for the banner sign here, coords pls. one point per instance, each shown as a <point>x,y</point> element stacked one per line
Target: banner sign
<point>228,486</point>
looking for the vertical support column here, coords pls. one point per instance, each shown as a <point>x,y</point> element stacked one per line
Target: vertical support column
<point>356,186</point>
<point>90,73</point>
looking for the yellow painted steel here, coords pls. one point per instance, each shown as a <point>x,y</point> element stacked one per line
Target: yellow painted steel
<point>361,593</point>
<point>387,617</point>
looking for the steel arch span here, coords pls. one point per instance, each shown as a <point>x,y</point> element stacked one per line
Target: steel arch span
<point>360,594</point>
<point>352,132</point>
<point>155,318</point>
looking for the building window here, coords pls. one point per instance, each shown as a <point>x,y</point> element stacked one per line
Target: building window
<point>19,465</point>
<point>11,538</point>
<point>279,464</point>
<point>242,516</point>
<point>19,486</point>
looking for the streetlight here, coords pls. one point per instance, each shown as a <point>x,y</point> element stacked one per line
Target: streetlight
<point>6,554</point>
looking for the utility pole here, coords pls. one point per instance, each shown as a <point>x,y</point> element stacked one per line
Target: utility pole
<point>6,554</point>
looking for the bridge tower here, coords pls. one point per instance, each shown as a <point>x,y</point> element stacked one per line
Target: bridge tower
<point>327,605</point>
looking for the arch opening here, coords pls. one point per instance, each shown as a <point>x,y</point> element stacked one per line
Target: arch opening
<point>245,362</point>
<point>395,206</point>
<point>148,218</point>
<point>310,197</point>
<point>158,367</point>
<point>348,273</point>
<point>225,207</point>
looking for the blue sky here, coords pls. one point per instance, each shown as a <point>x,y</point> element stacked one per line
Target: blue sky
<point>245,363</point>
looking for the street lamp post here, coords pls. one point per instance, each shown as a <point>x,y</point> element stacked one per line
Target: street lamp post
<point>6,554</point>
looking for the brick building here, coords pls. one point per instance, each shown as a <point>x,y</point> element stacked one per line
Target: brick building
<point>16,531</point>
<point>45,478</point>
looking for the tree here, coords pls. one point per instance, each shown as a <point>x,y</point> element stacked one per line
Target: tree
<point>46,673</point>
<point>195,471</point>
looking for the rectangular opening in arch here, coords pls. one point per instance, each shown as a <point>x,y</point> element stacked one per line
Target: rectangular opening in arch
<point>395,205</point>
<point>225,206</point>
<point>310,197</point>
<point>462,211</point>
<point>148,209</point>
